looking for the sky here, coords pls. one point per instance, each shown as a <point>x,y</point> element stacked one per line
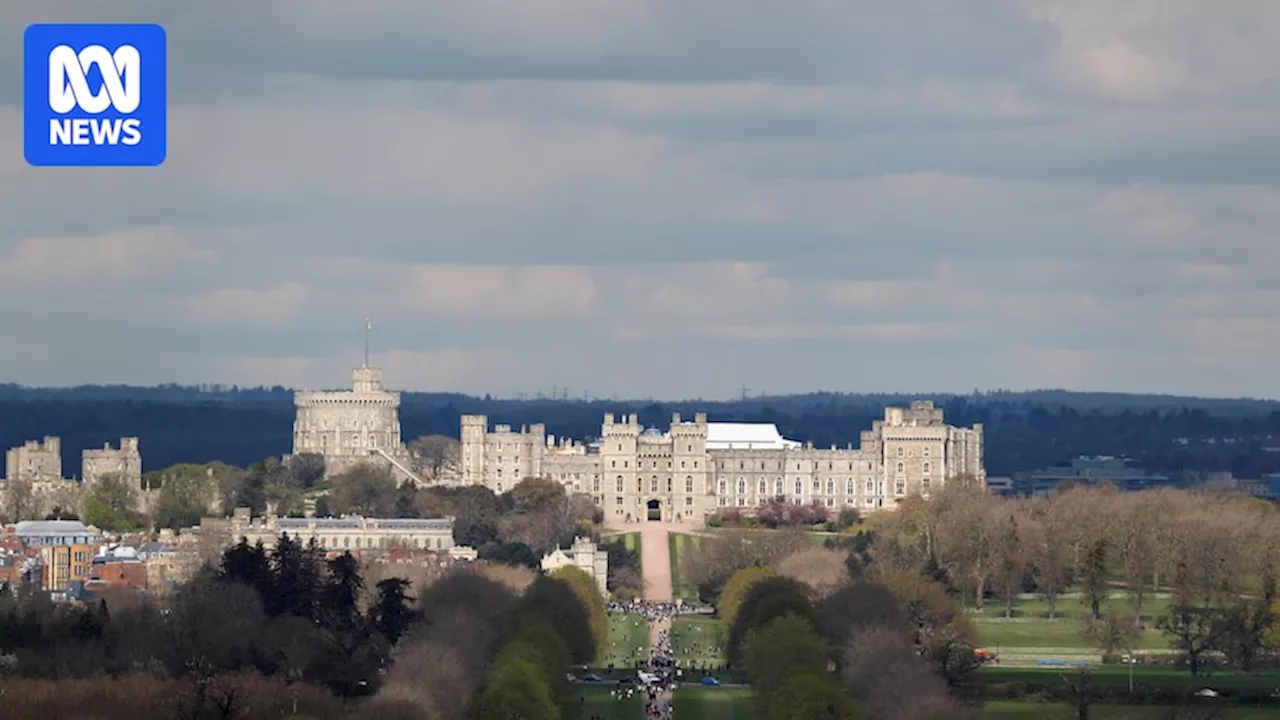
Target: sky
<point>667,199</point>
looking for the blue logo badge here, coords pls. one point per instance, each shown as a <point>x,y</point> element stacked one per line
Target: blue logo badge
<point>94,95</point>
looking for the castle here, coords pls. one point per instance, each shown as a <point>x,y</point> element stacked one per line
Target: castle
<point>41,462</point>
<point>348,427</point>
<point>695,468</point>
<point>584,555</point>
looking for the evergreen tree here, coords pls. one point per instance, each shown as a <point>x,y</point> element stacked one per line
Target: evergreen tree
<point>248,564</point>
<point>341,593</point>
<point>392,610</point>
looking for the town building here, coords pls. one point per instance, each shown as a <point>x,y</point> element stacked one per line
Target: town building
<point>584,555</point>
<point>349,427</point>
<point>1089,471</point>
<point>335,534</point>
<point>696,467</point>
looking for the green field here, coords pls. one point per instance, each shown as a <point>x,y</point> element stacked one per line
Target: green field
<point>678,544</point>
<point>1143,676</point>
<point>628,641</point>
<point>595,701</point>
<point>695,702</point>
<point>696,641</point>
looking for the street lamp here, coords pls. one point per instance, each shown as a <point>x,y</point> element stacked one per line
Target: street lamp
<point>1130,660</point>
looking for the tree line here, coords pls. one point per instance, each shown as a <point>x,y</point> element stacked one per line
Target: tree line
<point>261,618</point>
<point>1024,431</point>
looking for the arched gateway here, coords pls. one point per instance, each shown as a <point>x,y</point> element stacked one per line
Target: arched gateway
<point>655,510</point>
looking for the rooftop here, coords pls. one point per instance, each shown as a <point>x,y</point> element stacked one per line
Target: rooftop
<point>746,436</point>
<point>42,528</point>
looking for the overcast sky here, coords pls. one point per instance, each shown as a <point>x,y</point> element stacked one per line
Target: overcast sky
<point>668,198</point>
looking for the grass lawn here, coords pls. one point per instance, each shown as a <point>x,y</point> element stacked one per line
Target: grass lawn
<point>678,544</point>
<point>588,701</point>
<point>696,640</point>
<point>695,702</point>
<point>1064,633</point>
<point>628,640</point>
<point>1010,710</point>
<point>1144,676</point>
<point>1069,607</point>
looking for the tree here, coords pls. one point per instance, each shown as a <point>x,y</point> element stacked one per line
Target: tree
<point>515,553</point>
<point>1115,631</point>
<point>556,603</point>
<point>735,593</point>
<point>823,570</point>
<point>940,632</point>
<point>881,665</point>
<point>781,646</point>
<point>186,494</point>
<point>765,601</point>
<point>392,609</point>
<point>365,490</point>
<point>516,690</point>
<point>807,694</point>
<point>19,500</point>
<point>111,504</point>
<point>306,469</point>
<point>589,593</point>
<point>434,455</point>
<point>1245,627</point>
<point>1195,631</point>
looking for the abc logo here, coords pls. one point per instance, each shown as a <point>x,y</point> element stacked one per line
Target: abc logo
<point>94,95</point>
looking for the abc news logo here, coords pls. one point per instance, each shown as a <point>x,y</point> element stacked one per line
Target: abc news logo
<point>69,89</point>
<point>94,95</point>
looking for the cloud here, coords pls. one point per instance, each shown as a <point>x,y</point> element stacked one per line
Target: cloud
<point>662,198</point>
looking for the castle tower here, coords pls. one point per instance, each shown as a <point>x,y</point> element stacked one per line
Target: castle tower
<point>474,430</point>
<point>348,427</point>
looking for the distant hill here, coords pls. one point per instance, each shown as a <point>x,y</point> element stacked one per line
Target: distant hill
<point>1024,429</point>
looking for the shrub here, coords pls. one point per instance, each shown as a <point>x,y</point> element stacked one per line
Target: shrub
<point>1111,658</point>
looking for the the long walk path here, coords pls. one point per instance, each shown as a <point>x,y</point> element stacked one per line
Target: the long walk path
<point>655,563</point>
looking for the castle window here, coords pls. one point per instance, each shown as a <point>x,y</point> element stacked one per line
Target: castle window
<point>724,487</point>
<point>595,485</point>
<point>925,468</point>
<point>899,487</point>
<point>639,485</point>
<point>742,486</point>
<point>373,441</point>
<point>777,488</point>
<point>799,487</point>
<point>925,452</point>
<point>499,487</point>
<point>816,486</point>
<point>871,487</point>
<point>901,467</point>
<point>613,463</point>
<point>619,483</point>
<point>688,502</point>
<point>900,452</point>
<point>669,487</point>
<point>831,487</point>
<point>924,484</point>
<point>764,488</point>
<point>688,484</point>
<point>848,486</point>
<point>653,484</point>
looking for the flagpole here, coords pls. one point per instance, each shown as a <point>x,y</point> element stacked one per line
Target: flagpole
<point>368,326</point>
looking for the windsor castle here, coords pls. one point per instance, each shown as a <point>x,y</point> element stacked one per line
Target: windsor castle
<point>683,473</point>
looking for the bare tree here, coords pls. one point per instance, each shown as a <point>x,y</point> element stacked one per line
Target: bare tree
<point>434,456</point>
<point>821,569</point>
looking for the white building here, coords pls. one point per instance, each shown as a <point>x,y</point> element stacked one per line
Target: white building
<point>585,556</point>
<point>339,534</point>
<point>694,468</point>
<point>348,427</point>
